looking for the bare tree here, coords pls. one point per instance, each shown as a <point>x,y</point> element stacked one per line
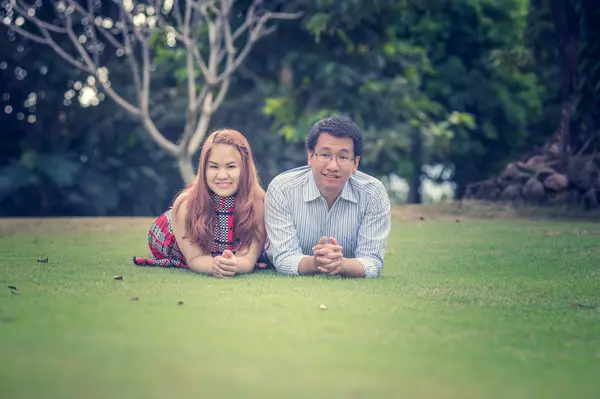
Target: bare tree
<point>213,45</point>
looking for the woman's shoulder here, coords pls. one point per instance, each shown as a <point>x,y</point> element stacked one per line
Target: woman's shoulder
<point>259,202</point>
<point>180,204</point>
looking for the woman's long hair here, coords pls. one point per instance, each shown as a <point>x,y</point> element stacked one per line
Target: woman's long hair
<point>249,199</point>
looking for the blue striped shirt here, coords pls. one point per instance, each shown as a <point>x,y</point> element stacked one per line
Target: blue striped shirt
<point>297,215</point>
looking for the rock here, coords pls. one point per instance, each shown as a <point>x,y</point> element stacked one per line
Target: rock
<point>556,182</point>
<point>582,172</point>
<point>533,191</point>
<point>514,172</point>
<point>591,199</point>
<point>511,192</point>
<point>536,160</point>
<point>541,177</point>
<point>559,198</point>
<point>486,189</point>
<point>471,190</point>
<point>502,184</point>
<point>543,173</point>
<point>489,190</point>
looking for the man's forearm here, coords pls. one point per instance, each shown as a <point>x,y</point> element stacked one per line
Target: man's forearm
<point>351,268</point>
<point>307,266</point>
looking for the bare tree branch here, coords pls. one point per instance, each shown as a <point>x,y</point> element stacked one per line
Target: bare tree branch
<point>213,43</point>
<point>192,108</point>
<point>131,58</point>
<point>35,20</point>
<point>94,68</point>
<point>24,33</point>
<point>90,15</point>
<point>94,38</point>
<point>202,127</point>
<point>209,65</point>
<point>256,32</point>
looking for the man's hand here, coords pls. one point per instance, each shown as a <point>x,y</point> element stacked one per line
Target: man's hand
<point>328,256</point>
<point>225,266</point>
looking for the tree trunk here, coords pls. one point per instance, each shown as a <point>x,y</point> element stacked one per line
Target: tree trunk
<point>186,169</point>
<point>414,193</point>
<point>567,32</point>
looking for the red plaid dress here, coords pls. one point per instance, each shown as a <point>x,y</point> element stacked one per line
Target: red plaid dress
<point>164,249</point>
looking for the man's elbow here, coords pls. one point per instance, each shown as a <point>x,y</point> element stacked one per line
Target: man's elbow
<point>372,266</point>
<point>285,263</point>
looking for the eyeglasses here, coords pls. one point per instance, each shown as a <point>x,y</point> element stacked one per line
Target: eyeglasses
<point>327,157</point>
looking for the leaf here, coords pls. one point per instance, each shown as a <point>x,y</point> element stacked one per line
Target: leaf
<point>13,177</point>
<point>389,49</point>
<point>28,159</point>
<point>317,24</point>
<point>580,305</point>
<point>100,190</point>
<point>58,168</point>
<point>151,173</point>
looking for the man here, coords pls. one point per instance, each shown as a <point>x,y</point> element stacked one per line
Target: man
<point>327,217</point>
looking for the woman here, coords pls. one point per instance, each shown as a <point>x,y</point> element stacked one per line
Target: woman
<point>215,226</point>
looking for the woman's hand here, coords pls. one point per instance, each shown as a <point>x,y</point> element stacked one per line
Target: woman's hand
<point>225,266</point>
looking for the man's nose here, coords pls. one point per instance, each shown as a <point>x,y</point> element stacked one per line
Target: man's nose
<point>333,164</point>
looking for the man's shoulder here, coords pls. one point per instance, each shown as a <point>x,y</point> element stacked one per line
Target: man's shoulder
<point>290,178</point>
<point>366,183</point>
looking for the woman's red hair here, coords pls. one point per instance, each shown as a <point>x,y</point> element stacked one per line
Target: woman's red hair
<point>249,199</point>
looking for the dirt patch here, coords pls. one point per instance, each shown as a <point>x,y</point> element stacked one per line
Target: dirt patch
<point>571,232</point>
<point>470,209</point>
<point>456,211</point>
<point>43,226</point>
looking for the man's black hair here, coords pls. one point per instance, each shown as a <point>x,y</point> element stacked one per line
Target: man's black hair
<point>338,126</point>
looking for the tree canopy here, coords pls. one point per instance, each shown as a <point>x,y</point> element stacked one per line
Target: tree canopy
<point>468,85</point>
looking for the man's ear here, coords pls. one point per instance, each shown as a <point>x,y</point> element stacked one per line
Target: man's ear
<point>309,154</point>
<point>356,161</point>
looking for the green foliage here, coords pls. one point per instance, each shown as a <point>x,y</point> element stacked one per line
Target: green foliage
<point>418,67</point>
<point>317,24</point>
<point>468,84</point>
<point>282,110</point>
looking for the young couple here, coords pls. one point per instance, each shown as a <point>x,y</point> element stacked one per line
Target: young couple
<point>325,217</point>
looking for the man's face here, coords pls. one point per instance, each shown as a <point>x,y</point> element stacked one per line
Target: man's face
<point>332,162</point>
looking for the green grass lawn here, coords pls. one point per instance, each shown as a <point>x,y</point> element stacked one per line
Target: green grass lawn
<point>476,309</point>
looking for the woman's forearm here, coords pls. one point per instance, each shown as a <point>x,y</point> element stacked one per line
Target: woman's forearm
<point>246,264</point>
<point>201,264</point>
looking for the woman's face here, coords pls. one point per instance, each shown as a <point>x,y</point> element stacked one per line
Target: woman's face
<point>223,170</point>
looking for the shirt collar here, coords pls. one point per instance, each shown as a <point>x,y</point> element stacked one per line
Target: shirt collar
<point>312,191</point>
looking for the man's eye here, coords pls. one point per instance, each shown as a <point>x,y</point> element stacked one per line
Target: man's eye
<point>343,158</point>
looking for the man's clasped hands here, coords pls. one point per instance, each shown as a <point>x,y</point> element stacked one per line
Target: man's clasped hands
<point>328,256</point>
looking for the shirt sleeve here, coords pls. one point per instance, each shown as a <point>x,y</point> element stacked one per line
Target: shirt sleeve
<point>283,246</point>
<point>373,233</point>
